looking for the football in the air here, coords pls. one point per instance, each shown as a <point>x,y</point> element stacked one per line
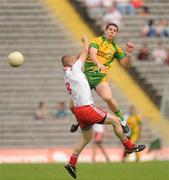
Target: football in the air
<point>15,59</point>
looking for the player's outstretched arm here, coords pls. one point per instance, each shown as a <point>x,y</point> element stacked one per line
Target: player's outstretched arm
<point>126,61</point>
<point>84,52</point>
<point>93,55</point>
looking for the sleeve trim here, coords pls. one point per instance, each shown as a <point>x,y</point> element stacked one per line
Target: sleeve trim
<point>94,45</point>
<point>121,56</point>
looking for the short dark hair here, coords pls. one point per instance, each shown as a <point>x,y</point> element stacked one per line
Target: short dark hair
<point>112,24</point>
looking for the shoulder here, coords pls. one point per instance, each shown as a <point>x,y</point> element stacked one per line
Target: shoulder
<point>77,65</point>
<point>96,42</point>
<point>119,52</point>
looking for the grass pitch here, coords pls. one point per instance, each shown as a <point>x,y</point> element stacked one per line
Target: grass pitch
<point>99,171</point>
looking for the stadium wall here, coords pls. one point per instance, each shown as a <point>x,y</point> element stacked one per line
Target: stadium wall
<point>58,155</point>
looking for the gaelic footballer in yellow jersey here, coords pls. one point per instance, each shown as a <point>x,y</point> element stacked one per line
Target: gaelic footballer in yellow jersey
<point>134,121</point>
<point>103,50</point>
<point>107,52</point>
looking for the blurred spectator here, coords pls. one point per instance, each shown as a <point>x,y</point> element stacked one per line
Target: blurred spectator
<point>159,54</point>
<point>62,110</point>
<point>162,29</point>
<point>137,3</point>
<point>135,123</point>
<point>41,113</point>
<point>167,60</point>
<point>149,29</point>
<point>92,3</point>
<point>107,3</point>
<point>98,134</point>
<point>143,53</point>
<point>125,7</point>
<point>144,11</point>
<point>113,16</point>
<point>140,6</point>
<point>93,8</point>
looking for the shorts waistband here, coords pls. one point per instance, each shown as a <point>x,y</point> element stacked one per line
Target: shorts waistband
<point>80,107</point>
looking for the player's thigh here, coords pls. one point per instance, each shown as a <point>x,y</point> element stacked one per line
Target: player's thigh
<point>103,89</point>
<point>87,133</point>
<point>112,119</point>
<point>71,105</point>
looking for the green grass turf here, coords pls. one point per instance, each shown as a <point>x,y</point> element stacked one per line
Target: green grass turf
<point>100,171</point>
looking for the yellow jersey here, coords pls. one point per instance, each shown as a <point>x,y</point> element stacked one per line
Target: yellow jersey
<point>107,52</point>
<point>134,122</point>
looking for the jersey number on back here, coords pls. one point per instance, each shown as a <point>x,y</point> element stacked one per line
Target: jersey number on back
<point>68,88</point>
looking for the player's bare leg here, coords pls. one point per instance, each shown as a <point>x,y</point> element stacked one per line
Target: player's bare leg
<point>95,145</point>
<point>104,91</point>
<point>86,138</point>
<point>134,139</point>
<point>114,120</point>
<point>104,152</point>
<point>74,126</point>
<point>94,152</point>
<point>124,156</point>
<point>137,157</point>
<point>130,147</point>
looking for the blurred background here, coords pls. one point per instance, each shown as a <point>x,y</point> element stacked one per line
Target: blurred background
<point>34,115</point>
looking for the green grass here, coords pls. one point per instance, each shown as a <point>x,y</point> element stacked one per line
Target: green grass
<point>100,171</point>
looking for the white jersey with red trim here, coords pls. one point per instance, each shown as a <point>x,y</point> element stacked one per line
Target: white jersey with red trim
<point>98,128</point>
<point>77,85</point>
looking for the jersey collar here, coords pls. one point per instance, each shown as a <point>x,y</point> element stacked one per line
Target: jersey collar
<point>105,39</point>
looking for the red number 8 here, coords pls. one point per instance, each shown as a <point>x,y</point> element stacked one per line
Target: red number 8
<point>68,88</point>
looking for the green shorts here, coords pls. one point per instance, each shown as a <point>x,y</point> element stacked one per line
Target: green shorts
<point>94,78</point>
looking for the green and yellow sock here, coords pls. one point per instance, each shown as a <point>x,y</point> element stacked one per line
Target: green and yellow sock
<point>119,114</point>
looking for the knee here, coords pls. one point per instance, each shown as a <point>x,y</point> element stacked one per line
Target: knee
<point>87,140</point>
<point>116,121</point>
<point>108,99</point>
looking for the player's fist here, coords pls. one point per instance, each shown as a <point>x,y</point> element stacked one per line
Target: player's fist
<point>101,67</point>
<point>129,47</point>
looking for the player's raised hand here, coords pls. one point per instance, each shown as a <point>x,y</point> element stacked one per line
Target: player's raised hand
<point>102,68</point>
<point>129,47</point>
<point>84,52</point>
<point>84,38</point>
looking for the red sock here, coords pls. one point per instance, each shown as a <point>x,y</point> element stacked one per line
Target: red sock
<point>127,143</point>
<point>73,159</point>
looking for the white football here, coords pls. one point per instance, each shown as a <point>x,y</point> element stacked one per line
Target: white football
<point>15,59</point>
